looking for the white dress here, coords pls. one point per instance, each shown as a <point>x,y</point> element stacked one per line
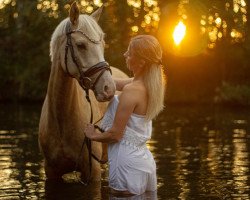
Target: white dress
<point>131,165</point>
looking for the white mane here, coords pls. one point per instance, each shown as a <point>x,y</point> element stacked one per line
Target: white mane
<point>86,23</point>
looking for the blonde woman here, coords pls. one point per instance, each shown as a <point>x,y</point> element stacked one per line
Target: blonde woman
<point>127,121</point>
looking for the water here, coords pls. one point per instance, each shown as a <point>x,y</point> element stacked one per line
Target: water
<point>201,153</point>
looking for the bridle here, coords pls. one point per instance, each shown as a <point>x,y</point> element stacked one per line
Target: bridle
<point>86,83</point>
<point>85,80</point>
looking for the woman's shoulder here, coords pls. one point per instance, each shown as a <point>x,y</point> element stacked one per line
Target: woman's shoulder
<point>135,86</point>
<point>135,90</point>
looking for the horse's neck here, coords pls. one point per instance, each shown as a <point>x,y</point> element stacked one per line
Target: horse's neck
<point>64,97</point>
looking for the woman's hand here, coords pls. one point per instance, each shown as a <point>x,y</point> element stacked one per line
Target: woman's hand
<point>106,137</point>
<point>89,131</point>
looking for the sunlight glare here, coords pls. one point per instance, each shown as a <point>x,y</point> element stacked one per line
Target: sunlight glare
<point>243,3</point>
<point>236,8</point>
<point>218,21</point>
<point>179,33</point>
<point>3,3</point>
<point>6,2</point>
<point>134,28</point>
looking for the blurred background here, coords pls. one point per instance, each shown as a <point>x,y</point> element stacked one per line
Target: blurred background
<point>201,141</point>
<point>206,44</point>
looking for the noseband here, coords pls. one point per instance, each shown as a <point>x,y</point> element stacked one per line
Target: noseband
<point>85,76</point>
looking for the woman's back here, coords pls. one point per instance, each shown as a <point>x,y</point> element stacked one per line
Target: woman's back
<point>139,94</point>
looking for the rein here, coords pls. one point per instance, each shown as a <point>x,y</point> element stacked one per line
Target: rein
<point>86,83</point>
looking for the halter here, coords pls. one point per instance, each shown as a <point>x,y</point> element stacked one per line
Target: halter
<point>86,83</point>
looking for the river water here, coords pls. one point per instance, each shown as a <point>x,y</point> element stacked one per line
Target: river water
<point>201,152</point>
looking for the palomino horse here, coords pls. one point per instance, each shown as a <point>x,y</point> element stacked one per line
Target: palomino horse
<point>76,50</point>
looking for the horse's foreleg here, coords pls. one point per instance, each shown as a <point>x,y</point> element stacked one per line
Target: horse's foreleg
<point>95,171</point>
<point>51,172</point>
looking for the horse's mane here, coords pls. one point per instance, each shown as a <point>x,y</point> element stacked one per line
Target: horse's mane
<point>86,23</point>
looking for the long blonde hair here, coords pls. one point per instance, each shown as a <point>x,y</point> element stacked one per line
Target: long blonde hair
<point>148,48</point>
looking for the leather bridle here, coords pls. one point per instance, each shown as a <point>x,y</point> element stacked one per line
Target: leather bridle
<point>85,79</point>
<point>86,83</point>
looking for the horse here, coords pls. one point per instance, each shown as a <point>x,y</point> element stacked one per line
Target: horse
<point>78,72</point>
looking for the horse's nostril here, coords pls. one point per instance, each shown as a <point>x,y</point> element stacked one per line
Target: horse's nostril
<point>106,88</point>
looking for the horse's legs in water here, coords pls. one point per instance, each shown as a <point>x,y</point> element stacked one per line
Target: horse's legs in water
<point>51,172</point>
<point>95,171</point>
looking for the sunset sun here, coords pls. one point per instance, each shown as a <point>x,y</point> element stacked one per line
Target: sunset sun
<point>179,33</point>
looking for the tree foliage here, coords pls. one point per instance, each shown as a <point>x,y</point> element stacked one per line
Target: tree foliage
<point>26,27</point>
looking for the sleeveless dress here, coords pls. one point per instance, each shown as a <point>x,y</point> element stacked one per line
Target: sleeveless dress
<point>131,165</point>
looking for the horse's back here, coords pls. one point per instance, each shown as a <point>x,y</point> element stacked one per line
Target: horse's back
<point>117,73</point>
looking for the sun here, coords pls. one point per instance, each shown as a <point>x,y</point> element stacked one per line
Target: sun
<point>179,33</point>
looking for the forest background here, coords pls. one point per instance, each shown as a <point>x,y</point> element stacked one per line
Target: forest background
<point>209,65</point>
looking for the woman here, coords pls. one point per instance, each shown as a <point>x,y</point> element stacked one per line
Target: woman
<point>127,121</point>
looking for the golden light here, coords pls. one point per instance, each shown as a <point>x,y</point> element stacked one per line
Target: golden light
<point>156,17</point>
<point>184,16</point>
<point>236,8</point>
<point>220,35</point>
<point>236,34</point>
<point>243,10</point>
<point>15,15</point>
<point>134,28</point>
<point>134,3</point>
<point>224,24</point>
<point>233,33</point>
<point>210,19</point>
<point>3,3</point>
<point>84,3</point>
<point>243,3</point>
<point>98,3</point>
<point>203,30</point>
<point>179,33</point>
<point>39,6</point>
<point>213,35</point>
<point>244,18</point>
<point>147,19</point>
<point>149,2</point>
<point>203,22</point>
<point>218,21</point>
<point>6,2</point>
<point>151,12</point>
<point>89,9</point>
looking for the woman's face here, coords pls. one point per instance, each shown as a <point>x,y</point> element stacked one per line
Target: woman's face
<point>131,60</point>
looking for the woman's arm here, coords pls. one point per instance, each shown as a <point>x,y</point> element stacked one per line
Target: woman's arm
<point>107,137</point>
<point>120,83</point>
<point>127,103</point>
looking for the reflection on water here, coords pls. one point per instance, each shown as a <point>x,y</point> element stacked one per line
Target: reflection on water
<point>201,153</point>
<point>241,163</point>
<point>21,172</point>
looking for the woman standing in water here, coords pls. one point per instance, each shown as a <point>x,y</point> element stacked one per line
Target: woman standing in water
<point>127,121</point>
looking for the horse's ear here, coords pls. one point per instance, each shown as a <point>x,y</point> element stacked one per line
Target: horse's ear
<point>74,13</point>
<point>96,15</point>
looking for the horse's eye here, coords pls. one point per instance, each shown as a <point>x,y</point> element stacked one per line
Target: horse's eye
<point>82,46</point>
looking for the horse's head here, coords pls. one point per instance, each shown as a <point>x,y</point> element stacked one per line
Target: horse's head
<point>80,42</point>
